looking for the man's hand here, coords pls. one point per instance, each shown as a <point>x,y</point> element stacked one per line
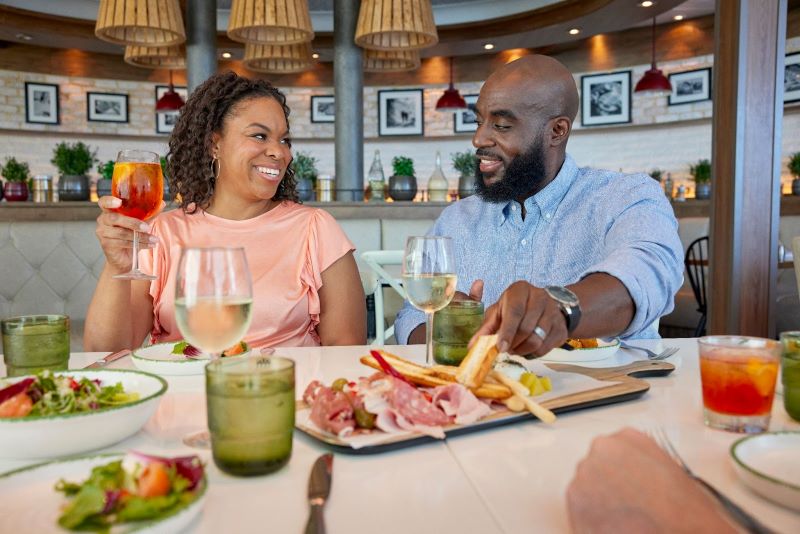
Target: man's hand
<point>417,336</point>
<point>628,484</point>
<point>523,313</point>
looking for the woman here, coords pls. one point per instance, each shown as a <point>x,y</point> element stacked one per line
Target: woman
<point>228,160</point>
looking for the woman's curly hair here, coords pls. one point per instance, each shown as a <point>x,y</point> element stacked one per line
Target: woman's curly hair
<point>205,112</point>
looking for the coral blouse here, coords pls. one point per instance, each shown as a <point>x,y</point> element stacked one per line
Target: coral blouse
<point>287,250</point>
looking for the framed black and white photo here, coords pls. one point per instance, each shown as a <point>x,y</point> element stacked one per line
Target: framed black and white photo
<point>466,121</point>
<point>165,122</point>
<point>606,98</point>
<point>41,103</point>
<point>791,78</point>
<point>400,112</point>
<point>690,86</point>
<point>323,108</point>
<point>106,107</point>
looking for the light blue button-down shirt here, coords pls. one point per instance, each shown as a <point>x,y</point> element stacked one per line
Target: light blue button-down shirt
<point>585,221</point>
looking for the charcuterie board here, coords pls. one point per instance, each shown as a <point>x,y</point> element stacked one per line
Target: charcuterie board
<point>623,383</point>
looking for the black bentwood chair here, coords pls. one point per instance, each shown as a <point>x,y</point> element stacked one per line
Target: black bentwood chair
<point>696,262</point>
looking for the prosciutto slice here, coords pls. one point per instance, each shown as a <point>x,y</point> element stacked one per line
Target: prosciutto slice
<point>457,401</point>
<point>331,410</point>
<point>399,406</point>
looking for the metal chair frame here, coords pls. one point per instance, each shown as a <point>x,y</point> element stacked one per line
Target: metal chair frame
<point>696,262</point>
<point>376,260</point>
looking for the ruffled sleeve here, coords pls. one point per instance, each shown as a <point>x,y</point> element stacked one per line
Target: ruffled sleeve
<point>326,243</point>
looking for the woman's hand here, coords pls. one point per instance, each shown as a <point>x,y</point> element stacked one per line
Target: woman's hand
<point>115,233</point>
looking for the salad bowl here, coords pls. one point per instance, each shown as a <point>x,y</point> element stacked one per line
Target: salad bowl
<point>47,436</point>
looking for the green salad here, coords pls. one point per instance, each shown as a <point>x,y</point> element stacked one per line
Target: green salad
<point>137,488</point>
<point>49,394</point>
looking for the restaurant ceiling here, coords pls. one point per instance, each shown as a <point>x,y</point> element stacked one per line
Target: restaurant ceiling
<point>508,24</point>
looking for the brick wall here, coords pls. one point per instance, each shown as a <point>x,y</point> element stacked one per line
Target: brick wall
<point>662,136</point>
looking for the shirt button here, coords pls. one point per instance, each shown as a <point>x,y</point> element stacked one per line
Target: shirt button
<point>513,207</point>
<point>546,215</point>
<point>523,242</point>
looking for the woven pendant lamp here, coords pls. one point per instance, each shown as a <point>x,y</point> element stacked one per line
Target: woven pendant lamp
<point>391,60</point>
<point>156,57</point>
<point>270,22</point>
<point>140,22</point>
<point>396,25</point>
<point>278,58</point>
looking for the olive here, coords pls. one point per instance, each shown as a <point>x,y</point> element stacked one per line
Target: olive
<point>364,419</point>
<point>339,384</point>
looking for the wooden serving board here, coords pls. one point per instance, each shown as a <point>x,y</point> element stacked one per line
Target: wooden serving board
<point>627,384</point>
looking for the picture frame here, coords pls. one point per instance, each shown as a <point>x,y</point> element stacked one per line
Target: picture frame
<point>41,103</point>
<point>465,120</point>
<point>165,122</point>
<point>106,107</point>
<point>690,86</point>
<point>400,112</point>
<point>323,108</point>
<point>606,98</point>
<point>791,78</point>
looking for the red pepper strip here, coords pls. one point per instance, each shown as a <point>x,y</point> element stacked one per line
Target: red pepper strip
<point>14,389</point>
<point>74,386</point>
<point>387,368</point>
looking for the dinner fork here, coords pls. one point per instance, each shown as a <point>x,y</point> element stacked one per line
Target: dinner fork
<point>740,516</point>
<point>664,354</point>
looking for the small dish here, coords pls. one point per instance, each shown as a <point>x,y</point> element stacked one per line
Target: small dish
<point>29,502</point>
<point>767,463</point>
<point>48,436</point>
<point>604,349</point>
<point>160,360</point>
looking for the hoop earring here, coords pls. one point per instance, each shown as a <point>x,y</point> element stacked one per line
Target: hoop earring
<point>215,165</point>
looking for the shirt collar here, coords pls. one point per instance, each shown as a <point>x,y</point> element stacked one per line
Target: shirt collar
<point>548,199</point>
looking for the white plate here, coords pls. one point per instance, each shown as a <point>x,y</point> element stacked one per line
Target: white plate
<point>768,464</point>
<point>159,359</point>
<point>60,435</point>
<point>603,350</point>
<point>28,502</point>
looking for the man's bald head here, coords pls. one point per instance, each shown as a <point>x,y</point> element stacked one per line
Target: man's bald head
<point>543,82</point>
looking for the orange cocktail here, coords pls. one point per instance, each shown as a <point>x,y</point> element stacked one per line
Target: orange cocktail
<point>738,376</point>
<point>140,186</point>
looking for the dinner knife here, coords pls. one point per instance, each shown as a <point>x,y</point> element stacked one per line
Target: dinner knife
<point>104,361</point>
<point>319,487</point>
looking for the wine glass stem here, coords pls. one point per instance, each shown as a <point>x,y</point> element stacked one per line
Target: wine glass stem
<point>429,338</point>
<point>135,257</point>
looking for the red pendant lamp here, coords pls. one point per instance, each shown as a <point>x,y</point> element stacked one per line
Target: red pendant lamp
<point>170,101</point>
<point>451,100</point>
<point>654,80</point>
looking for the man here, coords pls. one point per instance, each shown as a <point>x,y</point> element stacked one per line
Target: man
<point>558,251</point>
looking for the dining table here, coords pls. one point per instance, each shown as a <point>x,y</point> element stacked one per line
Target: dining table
<point>507,479</point>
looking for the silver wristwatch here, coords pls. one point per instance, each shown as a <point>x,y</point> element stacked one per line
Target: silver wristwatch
<point>569,304</point>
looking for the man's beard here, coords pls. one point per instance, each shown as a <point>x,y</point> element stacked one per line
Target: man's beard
<point>522,177</point>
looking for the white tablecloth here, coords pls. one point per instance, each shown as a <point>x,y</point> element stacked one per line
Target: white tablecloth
<point>510,479</point>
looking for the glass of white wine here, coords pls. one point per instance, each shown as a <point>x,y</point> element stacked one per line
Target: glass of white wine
<point>213,303</point>
<point>429,278</point>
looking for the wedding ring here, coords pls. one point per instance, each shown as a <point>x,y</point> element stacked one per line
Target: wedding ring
<point>539,331</point>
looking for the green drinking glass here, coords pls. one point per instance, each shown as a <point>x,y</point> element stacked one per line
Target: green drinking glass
<point>453,327</point>
<point>250,413</point>
<point>790,373</point>
<point>33,343</point>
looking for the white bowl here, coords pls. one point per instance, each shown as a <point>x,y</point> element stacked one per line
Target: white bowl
<point>59,435</point>
<point>158,359</point>
<point>603,350</point>
<point>28,502</point>
<point>767,463</point>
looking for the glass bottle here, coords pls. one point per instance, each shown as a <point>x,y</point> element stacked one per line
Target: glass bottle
<point>376,179</point>
<point>437,184</point>
<point>668,186</point>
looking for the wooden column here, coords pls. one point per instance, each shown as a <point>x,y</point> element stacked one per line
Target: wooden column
<point>746,149</point>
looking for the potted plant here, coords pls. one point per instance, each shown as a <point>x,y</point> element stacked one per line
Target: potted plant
<point>794,168</point>
<point>466,163</point>
<point>106,171</point>
<point>656,174</point>
<point>305,173</point>
<point>701,174</point>
<point>73,162</point>
<point>16,174</point>
<point>403,183</point>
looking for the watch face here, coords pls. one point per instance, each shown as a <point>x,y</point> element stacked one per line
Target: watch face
<point>563,294</point>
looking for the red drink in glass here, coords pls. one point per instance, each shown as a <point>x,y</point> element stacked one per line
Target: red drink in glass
<point>140,186</point>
